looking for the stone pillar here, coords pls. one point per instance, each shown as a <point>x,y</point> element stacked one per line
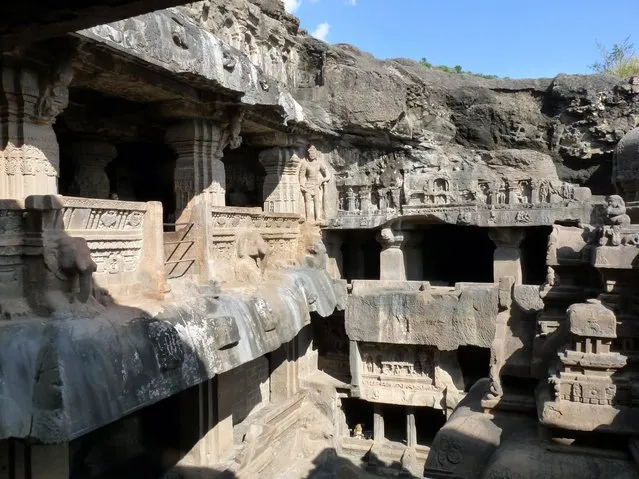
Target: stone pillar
<point>411,428</point>
<point>507,256</point>
<point>391,261</point>
<point>413,255</point>
<point>29,152</point>
<point>90,158</point>
<point>198,168</point>
<point>355,361</point>
<point>281,190</point>
<point>284,379</point>
<point>378,423</point>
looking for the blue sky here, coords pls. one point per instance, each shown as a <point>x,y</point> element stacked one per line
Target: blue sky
<point>515,38</point>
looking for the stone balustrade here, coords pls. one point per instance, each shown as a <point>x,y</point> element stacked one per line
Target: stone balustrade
<point>45,237</point>
<point>279,233</point>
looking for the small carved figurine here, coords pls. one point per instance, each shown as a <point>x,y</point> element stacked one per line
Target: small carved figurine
<point>616,219</point>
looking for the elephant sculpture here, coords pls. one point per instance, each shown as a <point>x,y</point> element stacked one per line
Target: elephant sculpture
<point>70,261</point>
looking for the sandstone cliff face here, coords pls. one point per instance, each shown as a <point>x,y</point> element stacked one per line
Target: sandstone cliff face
<point>369,107</point>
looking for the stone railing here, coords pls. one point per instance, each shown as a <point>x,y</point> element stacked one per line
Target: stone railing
<point>279,233</point>
<point>124,238</point>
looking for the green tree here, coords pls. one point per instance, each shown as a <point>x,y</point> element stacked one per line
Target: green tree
<point>620,61</point>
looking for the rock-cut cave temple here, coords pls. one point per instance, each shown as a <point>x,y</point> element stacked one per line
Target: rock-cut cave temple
<point>228,249</point>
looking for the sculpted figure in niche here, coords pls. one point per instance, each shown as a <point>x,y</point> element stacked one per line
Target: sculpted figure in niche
<point>313,177</point>
<point>616,218</point>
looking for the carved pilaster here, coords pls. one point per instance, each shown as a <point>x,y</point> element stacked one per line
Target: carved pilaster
<point>507,255</point>
<point>281,191</point>
<point>29,152</point>
<point>392,265</point>
<point>198,168</point>
<point>90,158</point>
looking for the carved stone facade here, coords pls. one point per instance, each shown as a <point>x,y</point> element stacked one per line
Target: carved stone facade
<point>29,155</point>
<point>281,189</point>
<point>199,168</point>
<point>280,232</point>
<point>395,374</point>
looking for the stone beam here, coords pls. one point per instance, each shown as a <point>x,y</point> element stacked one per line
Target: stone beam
<point>27,22</point>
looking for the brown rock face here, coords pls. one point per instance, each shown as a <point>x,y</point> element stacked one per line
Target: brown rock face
<point>365,102</point>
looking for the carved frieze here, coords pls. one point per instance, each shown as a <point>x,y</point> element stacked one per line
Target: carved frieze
<point>399,375</point>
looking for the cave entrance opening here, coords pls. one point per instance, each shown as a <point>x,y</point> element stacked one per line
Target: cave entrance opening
<point>452,254</point>
<point>244,177</point>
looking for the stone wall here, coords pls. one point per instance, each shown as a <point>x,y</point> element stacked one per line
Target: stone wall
<point>251,388</point>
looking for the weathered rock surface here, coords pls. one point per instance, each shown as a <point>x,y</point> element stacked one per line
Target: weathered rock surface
<point>61,379</point>
<point>393,104</point>
<point>446,319</point>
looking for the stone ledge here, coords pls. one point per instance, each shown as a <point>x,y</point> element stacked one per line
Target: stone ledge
<point>66,377</point>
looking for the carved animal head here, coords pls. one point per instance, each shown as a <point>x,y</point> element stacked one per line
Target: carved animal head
<point>616,206</point>
<point>74,256</point>
<point>387,234</point>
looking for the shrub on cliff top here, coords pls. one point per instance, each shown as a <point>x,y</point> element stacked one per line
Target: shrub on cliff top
<point>620,61</point>
<point>455,69</point>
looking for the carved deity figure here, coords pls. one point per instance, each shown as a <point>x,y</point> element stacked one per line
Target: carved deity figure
<point>313,177</point>
<point>544,192</point>
<point>616,219</point>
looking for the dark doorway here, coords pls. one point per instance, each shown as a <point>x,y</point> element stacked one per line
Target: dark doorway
<point>244,177</point>
<point>360,255</point>
<point>474,363</point>
<point>533,254</point>
<point>427,422</point>
<point>453,254</point>
<point>395,423</point>
<point>357,412</point>
<point>144,172</point>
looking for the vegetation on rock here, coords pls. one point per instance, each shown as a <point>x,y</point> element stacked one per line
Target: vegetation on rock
<point>455,69</point>
<point>620,61</point>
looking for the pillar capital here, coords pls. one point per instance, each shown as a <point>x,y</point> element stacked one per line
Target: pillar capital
<point>390,238</point>
<point>507,237</point>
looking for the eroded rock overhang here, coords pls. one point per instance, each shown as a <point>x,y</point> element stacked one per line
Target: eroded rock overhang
<point>61,378</point>
<point>171,42</point>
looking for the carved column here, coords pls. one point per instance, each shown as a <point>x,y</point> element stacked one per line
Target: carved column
<point>281,191</point>
<point>29,152</point>
<point>90,158</point>
<point>411,428</point>
<point>507,255</point>
<point>378,423</point>
<point>198,168</point>
<point>391,260</point>
<point>355,362</point>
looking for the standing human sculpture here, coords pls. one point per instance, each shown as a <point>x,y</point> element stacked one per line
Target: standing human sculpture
<point>313,176</point>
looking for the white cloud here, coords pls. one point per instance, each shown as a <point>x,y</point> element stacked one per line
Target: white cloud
<point>321,32</point>
<point>352,3</point>
<point>292,5</point>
